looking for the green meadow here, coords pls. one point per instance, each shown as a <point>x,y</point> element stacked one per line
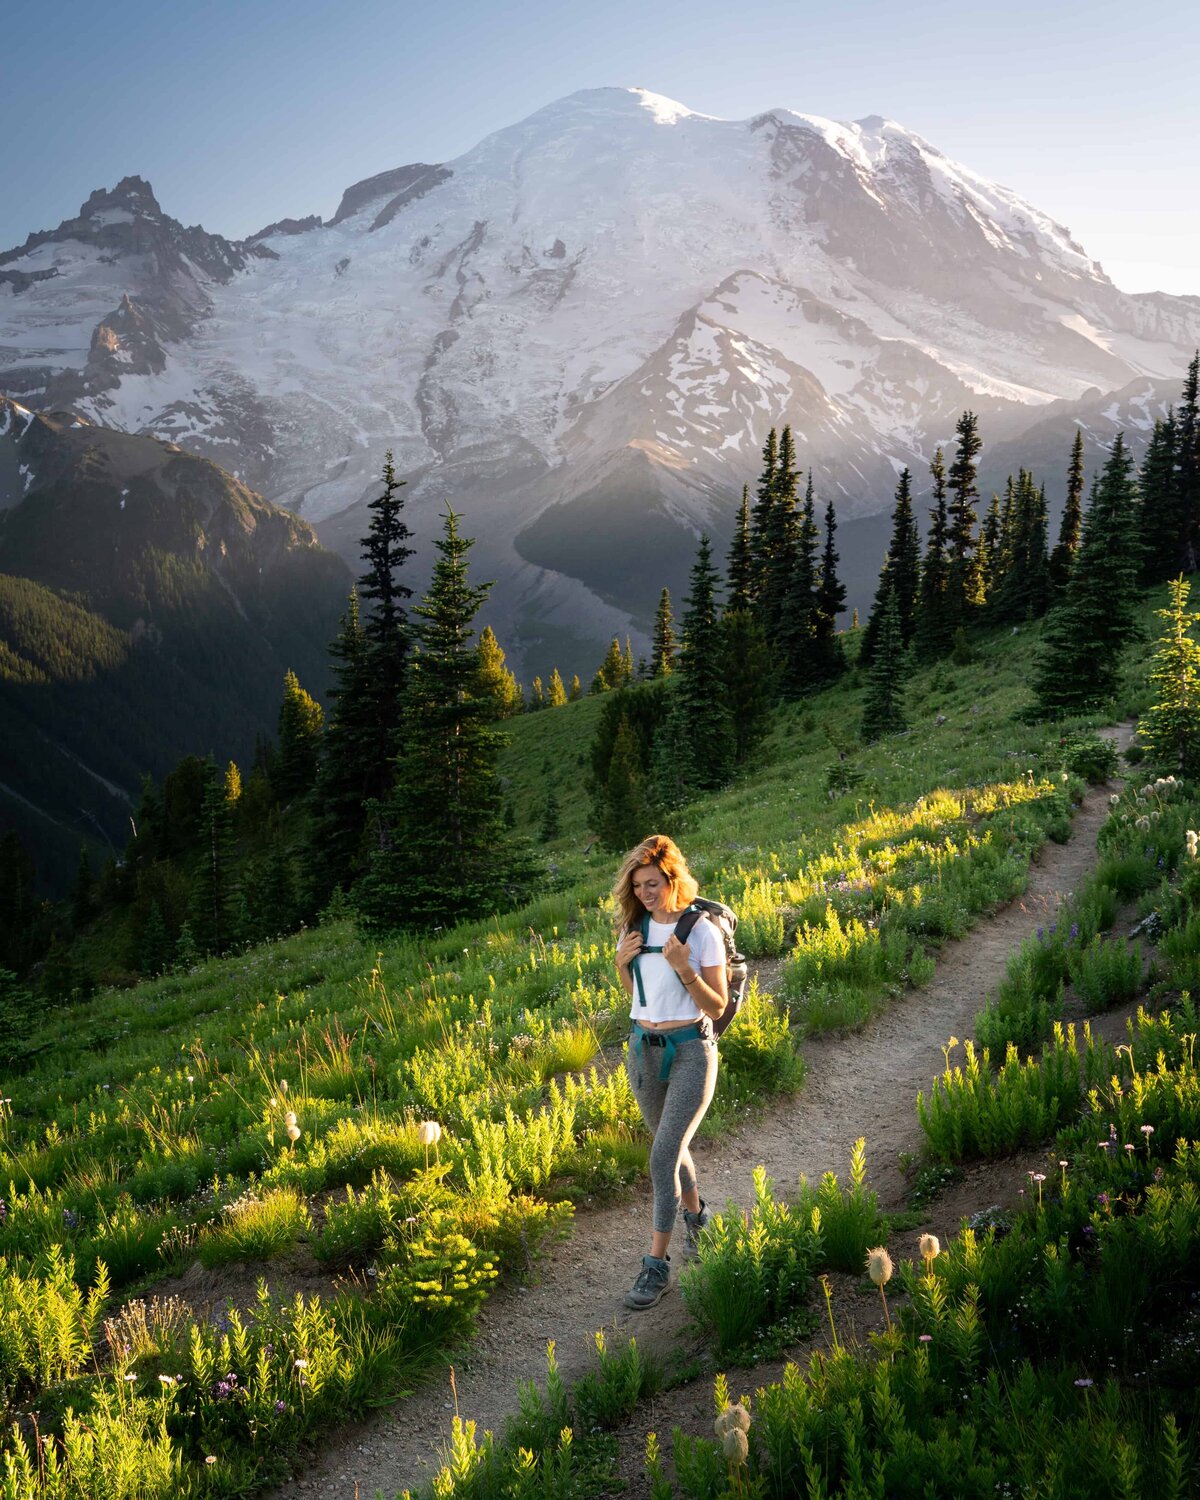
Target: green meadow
<point>264,1114</point>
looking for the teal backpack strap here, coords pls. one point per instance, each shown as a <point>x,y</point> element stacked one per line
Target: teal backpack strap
<point>637,973</point>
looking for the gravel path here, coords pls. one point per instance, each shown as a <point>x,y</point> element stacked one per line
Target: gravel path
<point>861,1084</point>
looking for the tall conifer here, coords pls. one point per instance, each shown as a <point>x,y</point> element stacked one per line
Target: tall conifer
<point>760,516</point>
<point>696,747</point>
<point>883,711</point>
<point>740,590</point>
<point>900,576</point>
<point>934,627</point>
<point>663,659</point>
<point>348,769</point>
<point>442,853</point>
<point>1062,559</point>
<point>499,683</point>
<point>297,754</point>
<point>829,658</point>
<point>1080,656</point>
<point>385,627</point>
<point>963,582</point>
<point>795,630</point>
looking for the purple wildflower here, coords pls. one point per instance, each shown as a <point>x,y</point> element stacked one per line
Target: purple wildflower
<point>1074,931</point>
<point>281,1407</point>
<point>1085,1382</point>
<point>70,1219</point>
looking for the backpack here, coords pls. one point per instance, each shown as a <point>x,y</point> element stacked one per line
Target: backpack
<point>736,972</point>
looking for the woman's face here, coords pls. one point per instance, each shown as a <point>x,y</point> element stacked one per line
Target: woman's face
<point>651,886</point>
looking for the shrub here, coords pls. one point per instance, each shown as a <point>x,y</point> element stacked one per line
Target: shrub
<point>849,1217</point>
<point>1088,755</point>
<point>752,1271</point>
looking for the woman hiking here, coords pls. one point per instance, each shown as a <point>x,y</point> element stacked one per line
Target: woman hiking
<point>677,989</point>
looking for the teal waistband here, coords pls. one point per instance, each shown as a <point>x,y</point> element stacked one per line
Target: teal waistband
<point>667,1040</point>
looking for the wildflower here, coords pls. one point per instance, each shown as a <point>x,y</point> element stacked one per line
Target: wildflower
<point>289,1118</point>
<point>1084,1381</point>
<point>70,1219</point>
<point>281,1407</point>
<point>1104,1145</point>
<point>1129,1148</point>
<point>879,1266</point>
<point>430,1133</point>
<point>131,1377</point>
<point>1102,1199</point>
<point>283,1085</point>
<point>1143,823</point>
<point>930,1249</point>
<point>927,1338</point>
<point>300,1364</point>
<point>169,1379</point>
<point>1074,931</point>
<point>3,1210</point>
<point>293,1133</point>
<point>1114,799</point>
<point>733,1418</point>
<point>1147,1130</point>
<point>211,1459</point>
<point>736,1446</point>
<point>191,1079</point>
<point>1064,1164</point>
<point>1148,790</point>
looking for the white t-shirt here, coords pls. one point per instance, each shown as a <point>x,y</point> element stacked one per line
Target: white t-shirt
<point>666,997</point>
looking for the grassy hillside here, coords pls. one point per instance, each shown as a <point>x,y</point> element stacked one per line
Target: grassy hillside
<point>264,1111</point>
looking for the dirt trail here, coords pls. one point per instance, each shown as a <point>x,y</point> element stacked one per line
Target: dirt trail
<point>862,1084</point>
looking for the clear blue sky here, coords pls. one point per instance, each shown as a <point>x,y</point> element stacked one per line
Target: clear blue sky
<point>242,113</point>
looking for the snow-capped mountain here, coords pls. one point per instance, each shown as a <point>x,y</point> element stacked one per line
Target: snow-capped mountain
<point>579,332</point>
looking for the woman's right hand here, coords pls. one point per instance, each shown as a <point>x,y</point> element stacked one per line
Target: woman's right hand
<point>628,949</point>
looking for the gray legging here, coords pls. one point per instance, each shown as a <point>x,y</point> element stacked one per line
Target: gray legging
<point>672,1108</point>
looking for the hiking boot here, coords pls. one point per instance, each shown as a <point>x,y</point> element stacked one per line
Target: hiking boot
<point>652,1281</point>
<point>692,1225</point>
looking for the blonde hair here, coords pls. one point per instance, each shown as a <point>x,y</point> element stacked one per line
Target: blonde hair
<point>662,851</point>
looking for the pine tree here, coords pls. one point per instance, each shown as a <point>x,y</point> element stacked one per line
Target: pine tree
<point>829,660</point>
<point>740,590</point>
<point>934,625</point>
<point>746,679</point>
<point>1022,591</point>
<point>498,682</point>
<point>761,522</point>
<point>775,579</point>
<point>551,826</point>
<point>990,537</point>
<point>576,689</point>
<point>697,745</point>
<point>441,851</point>
<point>537,694</point>
<point>300,721</point>
<point>1170,729</point>
<point>627,668</point>
<point>1080,656</point>
<point>899,577</point>
<point>610,674</point>
<point>797,621</point>
<point>1062,559</point>
<point>385,550</point>
<point>154,949</point>
<point>663,660</point>
<point>214,892</point>
<point>625,815</point>
<point>556,693</point>
<point>233,783</point>
<point>963,582</point>
<point>1187,459</point>
<point>883,711</point>
<point>348,769</point>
